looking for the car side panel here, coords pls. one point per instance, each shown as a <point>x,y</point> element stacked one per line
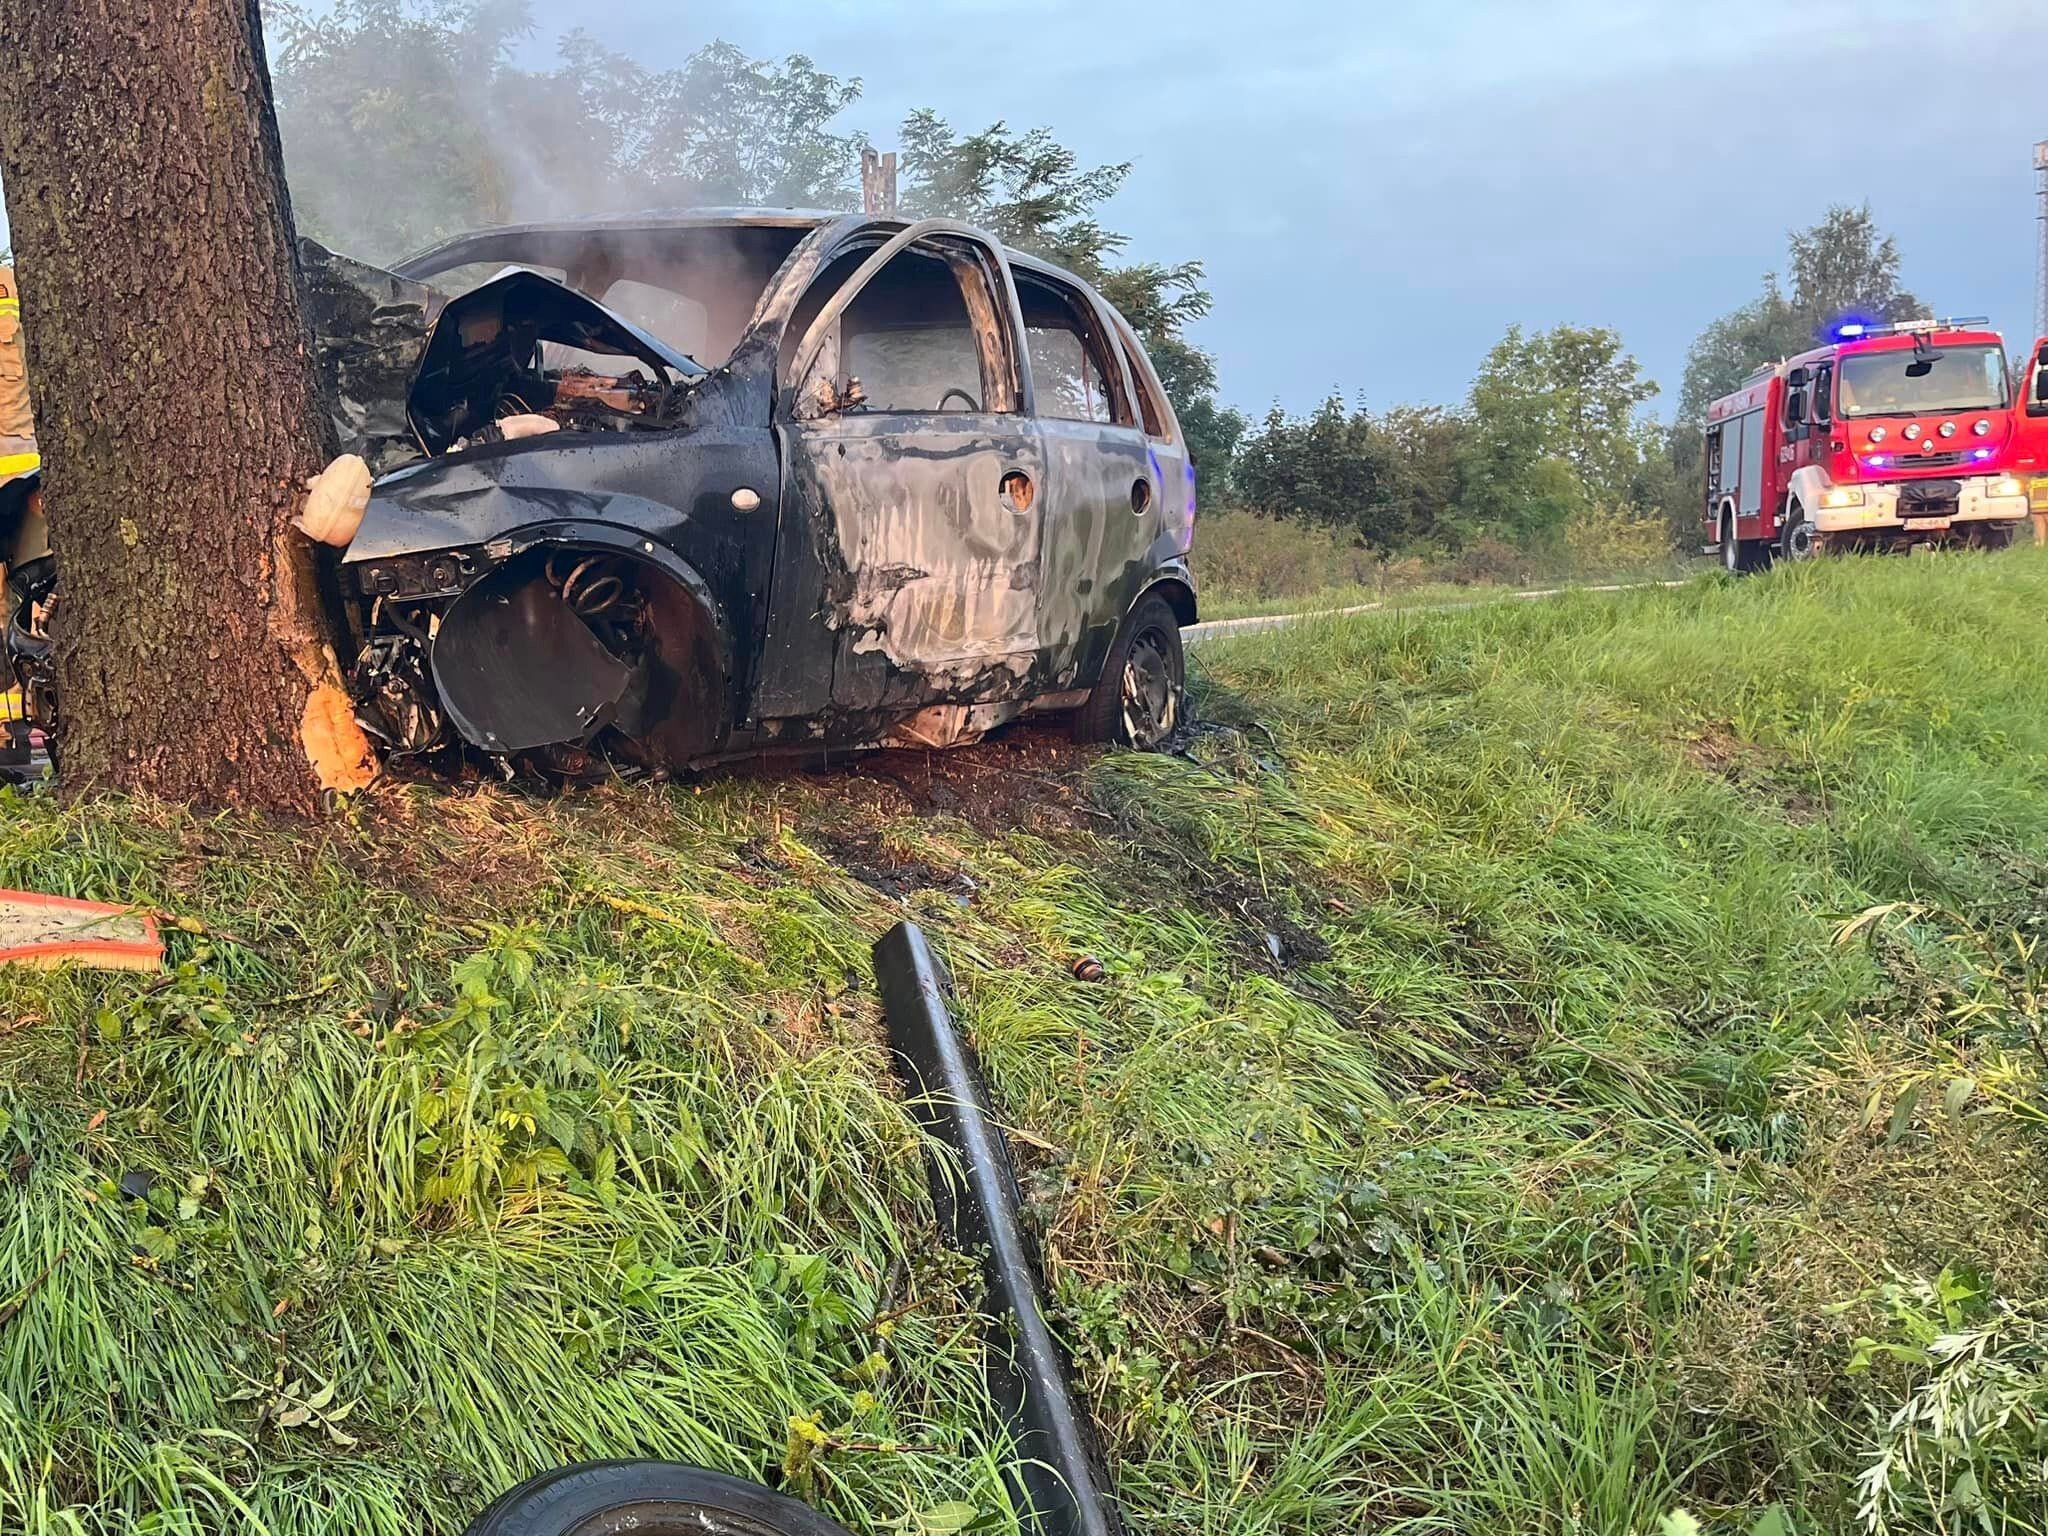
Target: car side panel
<point>1094,547</point>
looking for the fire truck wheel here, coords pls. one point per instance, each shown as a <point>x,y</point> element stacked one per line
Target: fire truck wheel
<point>1740,556</point>
<point>1802,541</point>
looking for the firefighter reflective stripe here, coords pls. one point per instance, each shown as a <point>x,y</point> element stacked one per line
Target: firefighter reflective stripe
<point>10,306</point>
<point>19,463</point>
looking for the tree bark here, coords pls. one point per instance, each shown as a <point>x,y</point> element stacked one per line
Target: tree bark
<point>175,400</point>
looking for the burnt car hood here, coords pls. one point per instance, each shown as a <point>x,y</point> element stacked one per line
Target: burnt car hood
<point>566,316</point>
<point>476,497</point>
<point>381,339</point>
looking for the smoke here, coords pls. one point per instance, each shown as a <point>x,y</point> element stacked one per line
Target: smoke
<point>404,126</point>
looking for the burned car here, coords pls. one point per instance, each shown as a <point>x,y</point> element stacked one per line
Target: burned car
<point>688,488</point>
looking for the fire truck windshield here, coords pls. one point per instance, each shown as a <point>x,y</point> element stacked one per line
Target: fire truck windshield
<point>1902,383</point>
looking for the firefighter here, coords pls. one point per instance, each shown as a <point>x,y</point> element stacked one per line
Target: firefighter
<point>17,426</point>
<point>21,531</point>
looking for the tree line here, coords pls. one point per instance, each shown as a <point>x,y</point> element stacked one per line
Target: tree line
<point>1553,443</point>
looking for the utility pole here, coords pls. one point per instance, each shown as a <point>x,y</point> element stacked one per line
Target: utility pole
<point>2041,261</point>
<point>878,183</point>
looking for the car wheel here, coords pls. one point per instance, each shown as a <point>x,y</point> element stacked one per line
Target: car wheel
<point>1140,697</point>
<point>647,1498</point>
<point>1993,536</point>
<point>1801,540</point>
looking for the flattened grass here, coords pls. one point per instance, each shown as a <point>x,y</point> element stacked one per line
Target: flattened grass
<point>1479,1127</point>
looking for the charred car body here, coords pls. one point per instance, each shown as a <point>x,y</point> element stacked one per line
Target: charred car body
<point>927,485</point>
<point>669,490</point>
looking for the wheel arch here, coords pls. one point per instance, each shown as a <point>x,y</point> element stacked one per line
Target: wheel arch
<point>1808,487</point>
<point>695,648</point>
<point>1177,588</point>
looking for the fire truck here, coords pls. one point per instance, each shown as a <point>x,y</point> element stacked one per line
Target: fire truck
<point>1886,437</point>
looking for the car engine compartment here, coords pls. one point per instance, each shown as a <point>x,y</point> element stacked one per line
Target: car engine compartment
<point>524,346</point>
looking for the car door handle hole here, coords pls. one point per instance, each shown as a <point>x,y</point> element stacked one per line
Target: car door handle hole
<point>1018,491</point>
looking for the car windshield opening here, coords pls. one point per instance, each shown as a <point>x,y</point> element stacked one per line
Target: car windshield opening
<point>693,287</point>
<point>1902,383</point>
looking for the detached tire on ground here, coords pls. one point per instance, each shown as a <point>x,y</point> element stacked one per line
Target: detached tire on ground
<point>1141,694</point>
<point>647,1498</point>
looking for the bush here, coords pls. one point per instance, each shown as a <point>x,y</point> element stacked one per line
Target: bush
<point>1242,556</point>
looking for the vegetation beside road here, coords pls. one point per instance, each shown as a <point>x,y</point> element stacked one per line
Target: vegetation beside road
<point>1557,1064</point>
<point>1246,564</point>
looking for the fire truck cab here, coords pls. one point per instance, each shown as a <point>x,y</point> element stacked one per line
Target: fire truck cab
<point>1886,437</point>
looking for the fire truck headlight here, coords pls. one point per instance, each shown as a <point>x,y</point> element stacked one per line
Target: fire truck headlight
<point>1878,434</point>
<point>2004,485</point>
<point>1843,496</point>
<point>1948,429</point>
<point>1982,429</point>
<point>1913,432</point>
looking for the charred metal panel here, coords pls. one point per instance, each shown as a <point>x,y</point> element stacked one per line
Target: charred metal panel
<point>938,566</point>
<point>675,496</point>
<point>370,329</point>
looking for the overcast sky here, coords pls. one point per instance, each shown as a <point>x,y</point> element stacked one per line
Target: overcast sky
<point>1380,190</point>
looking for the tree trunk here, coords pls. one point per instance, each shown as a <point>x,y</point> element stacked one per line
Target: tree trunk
<point>175,402</point>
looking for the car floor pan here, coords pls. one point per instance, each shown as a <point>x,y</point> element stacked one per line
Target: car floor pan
<point>516,668</point>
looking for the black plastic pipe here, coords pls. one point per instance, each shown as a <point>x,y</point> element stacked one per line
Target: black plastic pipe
<point>977,1204</point>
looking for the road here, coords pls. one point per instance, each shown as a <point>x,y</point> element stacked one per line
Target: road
<point>1216,629</point>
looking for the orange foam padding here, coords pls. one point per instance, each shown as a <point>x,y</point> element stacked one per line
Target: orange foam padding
<point>44,930</point>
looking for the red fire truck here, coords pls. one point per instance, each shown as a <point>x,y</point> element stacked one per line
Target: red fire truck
<point>1888,436</point>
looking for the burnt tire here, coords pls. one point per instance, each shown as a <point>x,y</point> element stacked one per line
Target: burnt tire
<point>1139,699</point>
<point>647,1498</point>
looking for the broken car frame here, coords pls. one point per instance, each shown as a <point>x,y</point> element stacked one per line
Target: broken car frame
<point>928,485</point>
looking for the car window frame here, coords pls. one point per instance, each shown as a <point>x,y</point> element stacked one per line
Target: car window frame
<point>1145,377</point>
<point>997,341</point>
<point>1123,409</point>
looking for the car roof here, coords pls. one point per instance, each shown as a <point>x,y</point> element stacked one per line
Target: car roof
<point>493,242</point>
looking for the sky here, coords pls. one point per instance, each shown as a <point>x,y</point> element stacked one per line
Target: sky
<point>1378,191</point>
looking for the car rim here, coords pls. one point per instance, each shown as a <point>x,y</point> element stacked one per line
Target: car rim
<point>1799,542</point>
<point>1151,696</point>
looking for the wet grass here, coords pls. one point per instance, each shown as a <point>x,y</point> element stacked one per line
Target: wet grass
<point>1482,1125</point>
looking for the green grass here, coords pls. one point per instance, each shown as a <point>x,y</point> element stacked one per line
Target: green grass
<point>1545,1181</point>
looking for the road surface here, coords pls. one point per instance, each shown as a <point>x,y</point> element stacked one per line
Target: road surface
<point>1216,629</point>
